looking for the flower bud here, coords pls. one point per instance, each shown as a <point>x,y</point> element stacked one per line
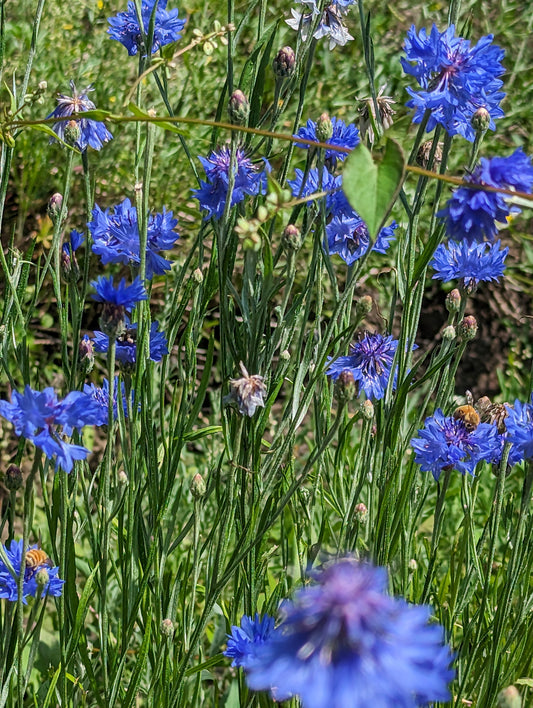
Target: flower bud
<point>42,577</point>
<point>509,698</point>
<point>167,628</point>
<point>291,239</point>
<point>198,487</point>
<point>284,62</point>
<point>198,276</point>
<point>363,306</point>
<point>412,565</point>
<point>55,205</point>
<point>361,512</point>
<point>122,478</point>
<point>367,409</point>
<point>453,301</point>
<point>345,387</point>
<point>324,128</point>
<point>468,328</point>
<point>449,333</point>
<point>72,132</point>
<point>238,108</point>
<point>86,355</point>
<point>13,478</point>
<point>42,86</point>
<point>481,120</point>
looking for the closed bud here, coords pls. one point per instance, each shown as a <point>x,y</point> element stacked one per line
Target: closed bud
<point>167,628</point>
<point>468,328</point>
<point>198,487</point>
<point>509,698</point>
<point>324,128</point>
<point>122,478</point>
<point>481,120</point>
<point>412,565</point>
<point>449,333</point>
<point>363,306</point>
<point>361,512</point>
<point>453,301</point>
<point>238,108</point>
<point>291,239</point>
<point>72,132</point>
<point>345,387</point>
<point>284,62</point>
<point>86,355</point>
<point>198,276</point>
<point>55,206</point>
<point>367,409</point>
<point>42,86</point>
<point>42,577</point>
<point>13,478</point>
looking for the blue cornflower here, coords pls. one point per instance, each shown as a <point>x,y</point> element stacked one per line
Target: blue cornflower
<point>249,179</point>
<point>52,585</point>
<point>370,362</point>
<point>456,79</point>
<point>346,136</point>
<point>244,640</point>
<point>331,23</point>
<point>446,442</point>
<point>125,28</point>
<point>311,185</point>
<point>471,214</point>
<point>473,263</point>
<point>36,416</point>
<point>101,398</point>
<point>88,132</point>
<point>344,642</point>
<point>516,454</point>
<point>125,296</point>
<point>75,240</point>
<point>348,236</point>
<point>116,237</point>
<point>519,425</point>
<point>126,343</point>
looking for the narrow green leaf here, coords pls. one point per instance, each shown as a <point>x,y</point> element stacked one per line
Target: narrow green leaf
<point>372,187</point>
<point>139,666</point>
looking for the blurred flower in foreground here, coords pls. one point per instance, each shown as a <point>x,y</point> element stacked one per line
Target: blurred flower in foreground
<point>126,343</point>
<point>370,362</point>
<point>471,214</point>
<point>449,443</point>
<point>35,561</point>
<point>86,131</point>
<point>346,136</point>
<point>348,237</point>
<point>244,640</point>
<point>473,263</point>
<point>248,392</point>
<point>116,237</point>
<point>344,642</point>
<point>124,27</point>
<point>456,79</point>
<point>330,26</point>
<point>101,398</point>
<point>36,416</point>
<point>249,179</point>
<point>519,424</point>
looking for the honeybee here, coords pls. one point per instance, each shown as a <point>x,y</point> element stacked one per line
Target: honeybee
<point>469,416</point>
<point>493,413</point>
<point>35,559</point>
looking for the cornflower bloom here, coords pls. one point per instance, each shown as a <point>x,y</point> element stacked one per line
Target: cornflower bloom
<point>83,131</point>
<point>346,136</point>
<point>124,27</point>
<point>244,640</point>
<point>519,425</point>
<point>249,180</point>
<point>471,214</point>
<point>116,237</point>
<point>101,397</point>
<point>348,237</point>
<point>40,576</point>
<point>117,301</point>
<point>456,79</point>
<point>126,343</point>
<point>312,185</point>
<point>331,22</point>
<point>37,416</point>
<point>473,263</point>
<point>345,642</point>
<point>370,362</point>
<point>448,443</point>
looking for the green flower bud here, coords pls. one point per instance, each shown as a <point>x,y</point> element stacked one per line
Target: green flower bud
<point>55,205</point>
<point>481,120</point>
<point>291,239</point>
<point>363,306</point>
<point>72,132</point>
<point>238,108</point>
<point>167,628</point>
<point>198,487</point>
<point>13,478</point>
<point>509,698</point>
<point>284,62</point>
<point>345,387</point>
<point>324,128</point>
<point>453,301</point>
<point>468,328</point>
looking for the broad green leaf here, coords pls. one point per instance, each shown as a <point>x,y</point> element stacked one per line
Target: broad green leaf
<point>372,187</point>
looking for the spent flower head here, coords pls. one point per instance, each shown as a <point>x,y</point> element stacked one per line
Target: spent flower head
<point>345,642</point>
<point>456,78</point>
<point>125,28</point>
<point>247,392</point>
<point>35,561</point>
<point>88,132</point>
